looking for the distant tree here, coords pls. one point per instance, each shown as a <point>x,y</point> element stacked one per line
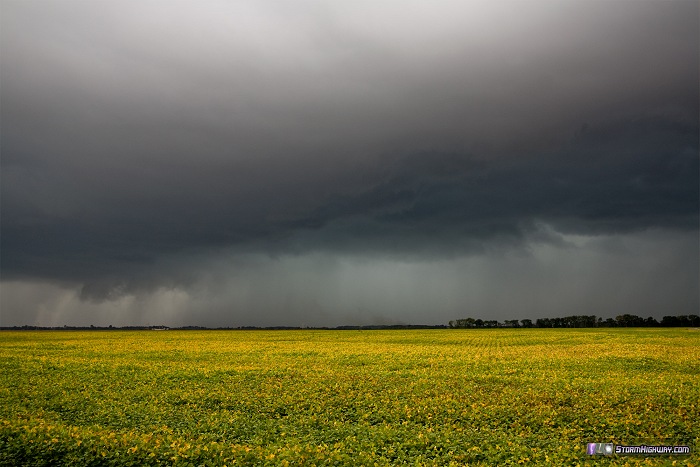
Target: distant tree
<point>543,323</point>
<point>669,321</point>
<point>526,323</point>
<point>628,320</point>
<point>681,320</point>
<point>636,321</point>
<point>511,323</point>
<point>651,322</point>
<point>462,323</point>
<point>589,321</point>
<point>479,323</point>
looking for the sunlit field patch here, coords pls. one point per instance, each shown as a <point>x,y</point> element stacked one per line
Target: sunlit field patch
<point>418,397</point>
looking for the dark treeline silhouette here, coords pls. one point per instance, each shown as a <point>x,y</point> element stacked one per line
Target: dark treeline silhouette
<point>576,321</point>
<point>580,321</point>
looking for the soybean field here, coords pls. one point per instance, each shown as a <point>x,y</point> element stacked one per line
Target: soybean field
<point>435,397</point>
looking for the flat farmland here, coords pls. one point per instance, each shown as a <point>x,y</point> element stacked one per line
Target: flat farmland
<point>330,397</point>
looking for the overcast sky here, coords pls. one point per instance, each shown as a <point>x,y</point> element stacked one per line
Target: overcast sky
<point>320,163</point>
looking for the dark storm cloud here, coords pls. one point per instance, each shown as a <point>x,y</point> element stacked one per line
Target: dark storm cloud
<point>625,176</point>
<point>140,134</point>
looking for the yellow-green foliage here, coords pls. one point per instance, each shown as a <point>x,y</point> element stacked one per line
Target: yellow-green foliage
<point>418,397</point>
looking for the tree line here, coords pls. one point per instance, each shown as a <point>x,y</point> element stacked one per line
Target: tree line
<point>580,321</point>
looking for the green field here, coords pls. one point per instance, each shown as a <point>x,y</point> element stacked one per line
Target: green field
<point>417,397</point>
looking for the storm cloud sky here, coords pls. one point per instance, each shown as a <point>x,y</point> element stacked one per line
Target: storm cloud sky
<point>320,163</point>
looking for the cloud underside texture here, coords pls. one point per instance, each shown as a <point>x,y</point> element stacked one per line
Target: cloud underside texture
<point>150,147</point>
